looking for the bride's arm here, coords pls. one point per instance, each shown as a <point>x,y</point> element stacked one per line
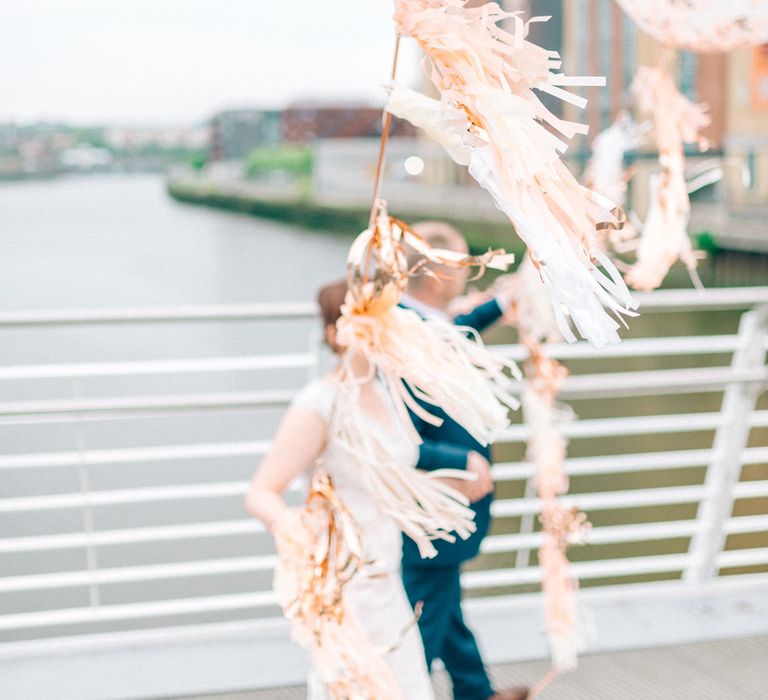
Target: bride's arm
<point>299,440</point>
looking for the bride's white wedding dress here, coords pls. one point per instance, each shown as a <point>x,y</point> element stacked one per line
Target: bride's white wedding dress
<point>379,604</point>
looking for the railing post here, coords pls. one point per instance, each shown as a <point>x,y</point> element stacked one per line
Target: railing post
<point>731,437</point>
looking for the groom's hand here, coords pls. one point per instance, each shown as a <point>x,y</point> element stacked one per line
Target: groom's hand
<point>483,484</point>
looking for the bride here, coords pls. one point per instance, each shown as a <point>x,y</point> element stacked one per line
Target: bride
<point>378,604</point>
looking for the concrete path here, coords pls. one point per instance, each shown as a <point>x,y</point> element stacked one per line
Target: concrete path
<point>724,670</point>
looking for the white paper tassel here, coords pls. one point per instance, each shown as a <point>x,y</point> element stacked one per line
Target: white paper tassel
<point>431,361</point>
<point>424,508</point>
<point>485,68</point>
<point>605,172</point>
<point>579,290</point>
<point>440,365</point>
<point>439,121</point>
<point>676,121</point>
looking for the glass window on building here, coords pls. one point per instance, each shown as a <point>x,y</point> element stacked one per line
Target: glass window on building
<point>687,64</point>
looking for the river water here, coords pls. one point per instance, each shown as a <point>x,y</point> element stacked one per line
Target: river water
<point>120,241</point>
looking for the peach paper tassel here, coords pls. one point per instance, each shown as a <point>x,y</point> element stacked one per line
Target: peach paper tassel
<point>560,526</point>
<point>319,551</point>
<point>704,26</point>
<point>415,358</point>
<point>676,121</point>
<point>489,118</point>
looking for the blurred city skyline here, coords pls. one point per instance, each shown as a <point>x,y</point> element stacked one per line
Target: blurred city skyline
<point>177,63</point>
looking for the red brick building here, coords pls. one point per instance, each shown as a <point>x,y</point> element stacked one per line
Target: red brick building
<point>305,123</point>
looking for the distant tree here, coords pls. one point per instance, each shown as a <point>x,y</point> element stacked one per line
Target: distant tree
<point>293,160</point>
<point>197,161</point>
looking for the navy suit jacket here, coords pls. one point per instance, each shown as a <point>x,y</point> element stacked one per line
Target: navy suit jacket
<point>447,446</point>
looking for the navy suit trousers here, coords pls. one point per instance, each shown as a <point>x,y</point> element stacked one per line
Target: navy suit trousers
<point>443,630</point>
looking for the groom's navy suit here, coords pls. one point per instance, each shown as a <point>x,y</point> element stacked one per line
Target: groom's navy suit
<point>436,582</point>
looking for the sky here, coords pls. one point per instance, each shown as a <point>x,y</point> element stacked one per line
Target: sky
<point>176,62</point>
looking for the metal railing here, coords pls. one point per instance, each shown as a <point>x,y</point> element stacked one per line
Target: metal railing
<point>236,604</point>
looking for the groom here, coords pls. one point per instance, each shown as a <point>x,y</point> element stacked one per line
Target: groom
<point>436,581</point>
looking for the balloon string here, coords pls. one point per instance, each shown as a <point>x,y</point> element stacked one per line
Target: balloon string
<point>385,126</point>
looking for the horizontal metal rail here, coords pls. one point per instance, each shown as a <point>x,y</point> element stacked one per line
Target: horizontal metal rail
<point>637,425</point>
<point>195,631</point>
<point>106,538</point>
<point>614,534</point>
<point>132,574</point>
<point>583,428</point>
<point>211,567</point>
<point>131,455</point>
<point>689,381</point>
<point>702,300</point>
<point>746,523</point>
<point>169,366</point>
<point>742,557</point>
<point>634,498</point>
<point>641,347</point>
<point>136,404</point>
<point>509,471</point>
<point>134,611</point>
<point>663,300</point>
<point>643,532</point>
<point>470,580</point>
<point>160,314</point>
<point>633,347</point>
<point>150,494</point>
<point>623,463</point>
<point>609,568</point>
<point>607,500</point>
<point>228,528</point>
<point>658,382</point>
<point>500,508</point>
<point>502,471</point>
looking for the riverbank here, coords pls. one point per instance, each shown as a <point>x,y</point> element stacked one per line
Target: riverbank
<point>297,207</point>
